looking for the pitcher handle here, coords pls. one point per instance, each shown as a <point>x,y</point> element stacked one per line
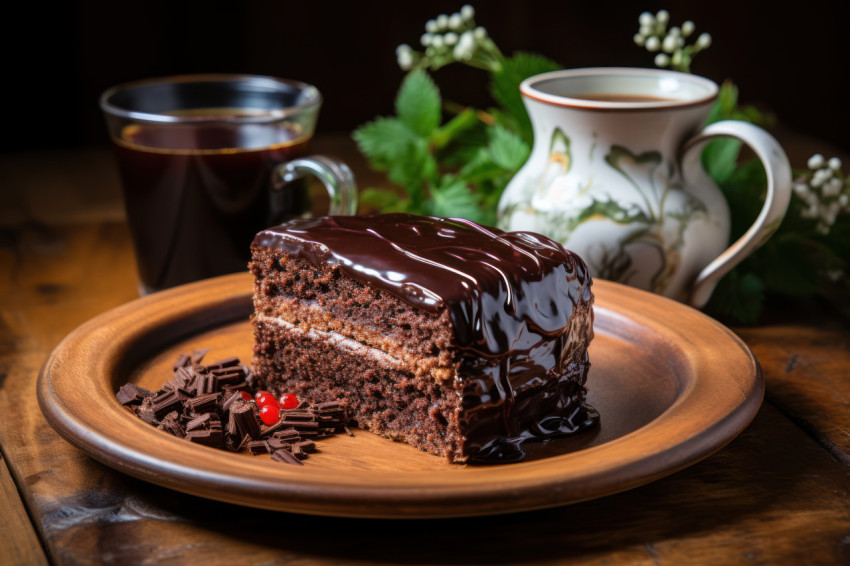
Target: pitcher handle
<point>778,195</point>
<point>334,174</point>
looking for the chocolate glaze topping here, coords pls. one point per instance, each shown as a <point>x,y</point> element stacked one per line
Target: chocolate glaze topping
<point>511,297</point>
<point>498,285</point>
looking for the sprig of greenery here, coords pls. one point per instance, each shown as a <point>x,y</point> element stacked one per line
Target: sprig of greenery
<point>458,166</point>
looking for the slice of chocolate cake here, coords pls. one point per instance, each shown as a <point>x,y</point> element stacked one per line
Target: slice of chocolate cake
<point>461,340</point>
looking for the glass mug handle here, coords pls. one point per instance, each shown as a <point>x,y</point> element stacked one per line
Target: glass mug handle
<point>335,175</point>
<point>776,200</point>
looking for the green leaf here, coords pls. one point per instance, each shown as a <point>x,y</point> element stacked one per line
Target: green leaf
<point>505,86</point>
<point>383,200</point>
<point>725,104</point>
<point>412,167</point>
<point>454,198</point>
<point>720,158</point>
<point>506,149</point>
<point>479,166</point>
<point>464,147</point>
<point>384,140</point>
<point>418,103</point>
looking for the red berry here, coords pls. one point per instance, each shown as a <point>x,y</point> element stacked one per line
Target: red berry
<point>245,395</point>
<point>288,401</point>
<point>260,393</point>
<point>269,414</point>
<point>266,399</point>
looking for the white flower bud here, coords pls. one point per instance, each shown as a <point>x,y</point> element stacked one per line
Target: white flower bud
<point>676,59</point>
<point>404,56</point>
<point>467,12</point>
<point>663,16</point>
<point>811,199</point>
<point>828,217</point>
<point>680,41</point>
<point>816,161</point>
<point>662,60</point>
<point>844,200</point>
<point>465,46</point>
<point>820,177</point>
<point>450,38</point>
<point>688,28</point>
<point>480,33</point>
<point>822,229</point>
<point>669,44</point>
<point>703,41</point>
<point>835,164</point>
<point>652,43</point>
<point>833,187</point>
<point>646,19</point>
<point>455,22</point>
<point>639,39</point>
<point>675,31</point>
<point>431,26</point>
<point>801,189</point>
<point>811,212</point>
<point>437,41</point>
<point>442,22</point>
<point>646,30</point>
<point>425,40</point>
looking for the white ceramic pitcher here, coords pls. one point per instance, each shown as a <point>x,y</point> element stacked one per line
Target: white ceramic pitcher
<point>615,175</point>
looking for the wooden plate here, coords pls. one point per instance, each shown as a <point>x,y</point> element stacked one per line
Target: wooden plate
<point>672,386</point>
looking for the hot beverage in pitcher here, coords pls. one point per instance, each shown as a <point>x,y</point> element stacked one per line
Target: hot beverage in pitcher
<point>621,97</point>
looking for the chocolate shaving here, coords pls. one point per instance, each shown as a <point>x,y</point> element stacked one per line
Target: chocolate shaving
<point>130,393</point>
<point>207,421</point>
<point>171,424</point>
<point>198,355</point>
<point>299,453</point>
<point>166,402</point>
<point>182,361</point>
<point>244,420</point>
<point>195,402</point>
<point>212,438</point>
<point>256,447</point>
<point>204,403</point>
<point>206,384</point>
<point>278,444</point>
<point>225,363</point>
<point>286,457</point>
<point>231,397</point>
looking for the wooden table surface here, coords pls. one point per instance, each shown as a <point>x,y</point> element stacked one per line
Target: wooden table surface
<point>779,493</point>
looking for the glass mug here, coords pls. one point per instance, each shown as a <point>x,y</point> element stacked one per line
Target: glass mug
<point>207,161</point>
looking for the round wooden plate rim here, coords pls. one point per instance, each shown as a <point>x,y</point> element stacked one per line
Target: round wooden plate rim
<point>669,443</point>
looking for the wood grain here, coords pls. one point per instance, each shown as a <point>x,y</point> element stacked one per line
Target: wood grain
<point>808,369</point>
<point>19,543</point>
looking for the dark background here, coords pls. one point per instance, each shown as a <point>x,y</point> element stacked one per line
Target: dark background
<point>787,57</point>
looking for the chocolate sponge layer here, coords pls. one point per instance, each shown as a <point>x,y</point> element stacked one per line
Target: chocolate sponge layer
<point>327,337</point>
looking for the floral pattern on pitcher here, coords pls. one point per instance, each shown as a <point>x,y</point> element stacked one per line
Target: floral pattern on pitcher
<point>651,229</point>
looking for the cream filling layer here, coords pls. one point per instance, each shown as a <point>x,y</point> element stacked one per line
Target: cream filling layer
<point>341,342</point>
